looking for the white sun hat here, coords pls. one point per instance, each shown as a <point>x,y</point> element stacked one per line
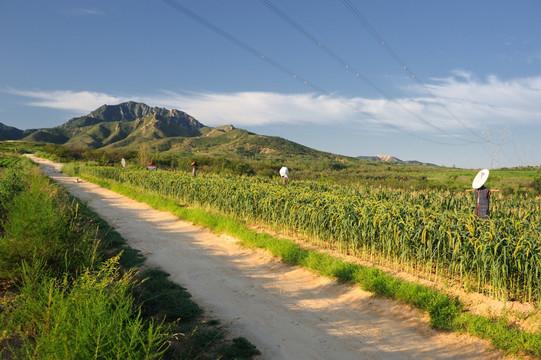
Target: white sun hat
<point>480,179</point>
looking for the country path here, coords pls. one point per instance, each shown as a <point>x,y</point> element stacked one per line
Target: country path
<point>287,312</point>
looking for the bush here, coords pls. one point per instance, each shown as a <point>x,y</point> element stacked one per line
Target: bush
<point>536,185</point>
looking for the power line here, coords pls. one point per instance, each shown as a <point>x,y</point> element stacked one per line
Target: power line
<point>347,66</point>
<point>240,43</point>
<point>366,24</point>
<point>495,144</point>
<point>292,74</point>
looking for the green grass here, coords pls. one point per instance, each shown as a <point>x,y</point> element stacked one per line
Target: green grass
<point>41,222</point>
<point>67,305</point>
<point>92,316</point>
<point>445,313</point>
<point>59,301</point>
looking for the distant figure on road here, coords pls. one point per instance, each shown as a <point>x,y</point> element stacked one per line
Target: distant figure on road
<point>194,168</point>
<point>482,194</point>
<point>152,167</point>
<point>284,173</point>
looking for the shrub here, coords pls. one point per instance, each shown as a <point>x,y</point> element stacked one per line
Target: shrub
<point>536,185</point>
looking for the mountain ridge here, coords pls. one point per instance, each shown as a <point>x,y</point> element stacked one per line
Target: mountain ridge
<point>392,159</point>
<point>129,125</point>
<point>129,122</point>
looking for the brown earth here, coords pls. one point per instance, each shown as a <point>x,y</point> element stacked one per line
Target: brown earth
<point>286,311</point>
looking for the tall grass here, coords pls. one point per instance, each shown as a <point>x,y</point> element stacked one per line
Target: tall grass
<point>42,222</point>
<point>66,305</point>
<point>91,317</point>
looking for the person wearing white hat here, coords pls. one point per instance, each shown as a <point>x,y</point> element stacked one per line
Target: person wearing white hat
<point>482,194</point>
<point>284,173</point>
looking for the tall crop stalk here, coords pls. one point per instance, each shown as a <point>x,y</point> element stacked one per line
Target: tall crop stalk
<point>434,232</point>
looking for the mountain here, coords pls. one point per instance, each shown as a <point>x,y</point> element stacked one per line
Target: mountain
<point>10,132</point>
<point>392,159</point>
<point>130,125</point>
<point>126,124</point>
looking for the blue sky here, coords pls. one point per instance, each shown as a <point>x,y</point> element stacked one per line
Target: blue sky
<point>455,83</point>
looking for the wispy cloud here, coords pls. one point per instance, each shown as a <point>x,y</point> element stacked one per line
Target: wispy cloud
<point>258,108</point>
<point>76,101</point>
<point>490,101</point>
<point>80,12</point>
<point>456,104</point>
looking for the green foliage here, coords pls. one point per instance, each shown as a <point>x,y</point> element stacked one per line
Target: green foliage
<point>501,334</point>
<point>62,153</point>
<point>12,182</point>
<point>130,257</point>
<point>428,231</point>
<point>90,318</point>
<point>240,349</point>
<point>44,223</point>
<point>102,161</point>
<point>536,185</point>
<point>9,161</point>
<point>19,147</point>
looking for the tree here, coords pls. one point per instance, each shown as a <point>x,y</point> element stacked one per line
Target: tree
<point>144,154</point>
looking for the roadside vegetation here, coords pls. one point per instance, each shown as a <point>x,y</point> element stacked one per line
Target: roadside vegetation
<point>71,289</point>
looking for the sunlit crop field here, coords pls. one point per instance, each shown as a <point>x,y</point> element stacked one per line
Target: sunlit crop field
<point>431,232</point>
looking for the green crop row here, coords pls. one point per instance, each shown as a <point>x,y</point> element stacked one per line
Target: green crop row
<point>435,232</point>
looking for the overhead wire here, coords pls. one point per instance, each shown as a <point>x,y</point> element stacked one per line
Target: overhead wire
<point>283,15</point>
<point>372,31</point>
<point>241,44</point>
<point>206,23</point>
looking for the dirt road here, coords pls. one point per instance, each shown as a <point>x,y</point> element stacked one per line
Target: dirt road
<point>287,312</point>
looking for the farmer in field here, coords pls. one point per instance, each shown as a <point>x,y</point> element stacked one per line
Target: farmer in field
<point>482,194</point>
<point>152,167</point>
<point>194,168</point>
<point>284,173</point>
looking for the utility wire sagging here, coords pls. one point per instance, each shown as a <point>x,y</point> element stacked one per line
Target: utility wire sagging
<point>443,133</point>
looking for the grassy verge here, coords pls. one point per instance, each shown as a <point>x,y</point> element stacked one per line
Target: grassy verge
<point>445,313</point>
<point>70,291</point>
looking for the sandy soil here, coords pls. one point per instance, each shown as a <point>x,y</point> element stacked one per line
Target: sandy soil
<point>287,312</point>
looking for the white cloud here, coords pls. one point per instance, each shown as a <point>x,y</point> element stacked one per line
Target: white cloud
<point>257,108</point>
<point>76,101</point>
<point>458,104</point>
<point>489,102</point>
